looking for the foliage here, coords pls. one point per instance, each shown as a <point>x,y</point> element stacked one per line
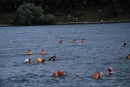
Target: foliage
<point>29,14</point>
<point>41,20</point>
<point>49,19</point>
<point>12,5</point>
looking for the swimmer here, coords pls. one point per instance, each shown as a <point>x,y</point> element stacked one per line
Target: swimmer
<point>111,71</point>
<point>29,52</point>
<point>97,75</point>
<point>43,52</point>
<point>125,44</point>
<point>128,56</point>
<point>11,42</point>
<point>83,40</point>
<point>59,73</point>
<point>74,40</point>
<point>43,61</point>
<point>61,41</point>
<point>52,58</point>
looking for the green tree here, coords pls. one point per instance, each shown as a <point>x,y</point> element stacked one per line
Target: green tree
<point>28,14</point>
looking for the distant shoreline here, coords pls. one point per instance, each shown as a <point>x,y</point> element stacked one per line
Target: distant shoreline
<point>106,22</point>
<point>71,23</point>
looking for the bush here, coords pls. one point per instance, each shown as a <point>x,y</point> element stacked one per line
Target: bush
<point>41,20</point>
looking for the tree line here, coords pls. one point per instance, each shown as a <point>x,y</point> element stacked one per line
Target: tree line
<point>34,12</point>
<point>12,5</point>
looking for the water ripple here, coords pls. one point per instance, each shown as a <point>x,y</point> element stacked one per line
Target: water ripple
<point>103,48</point>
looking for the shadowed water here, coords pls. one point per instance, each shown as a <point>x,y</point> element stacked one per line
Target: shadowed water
<point>103,48</point>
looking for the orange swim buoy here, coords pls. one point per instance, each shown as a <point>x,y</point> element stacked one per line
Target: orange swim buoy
<point>39,60</point>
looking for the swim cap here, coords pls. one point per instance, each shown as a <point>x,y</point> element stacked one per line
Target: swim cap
<point>110,68</point>
<point>26,60</point>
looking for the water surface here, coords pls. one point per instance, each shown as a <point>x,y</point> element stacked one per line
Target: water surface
<point>103,48</point>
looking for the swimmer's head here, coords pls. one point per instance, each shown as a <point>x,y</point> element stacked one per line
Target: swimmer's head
<point>83,40</point>
<point>11,42</point>
<point>30,60</point>
<point>74,40</point>
<point>125,44</point>
<point>60,41</point>
<point>55,74</point>
<point>43,61</point>
<point>110,69</point>
<point>100,74</point>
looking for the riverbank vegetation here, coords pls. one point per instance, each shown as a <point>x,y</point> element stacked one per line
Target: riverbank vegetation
<point>29,14</point>
<point>68,11</point>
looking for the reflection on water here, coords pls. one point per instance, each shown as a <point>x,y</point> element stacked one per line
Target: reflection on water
<point>103,48</point>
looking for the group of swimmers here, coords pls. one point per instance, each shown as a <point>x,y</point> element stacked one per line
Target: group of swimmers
<point>42,52</point>
<point>74,41</point>
<point>94,76</point>
<point>63,72</point>
<point>100,74</point>
<point>39,60</point>
<point>61,41</point>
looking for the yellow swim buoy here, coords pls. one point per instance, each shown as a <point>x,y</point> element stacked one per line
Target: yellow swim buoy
<point>39,60</point>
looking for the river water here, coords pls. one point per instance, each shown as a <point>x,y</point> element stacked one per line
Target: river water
<point>103,48</point>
